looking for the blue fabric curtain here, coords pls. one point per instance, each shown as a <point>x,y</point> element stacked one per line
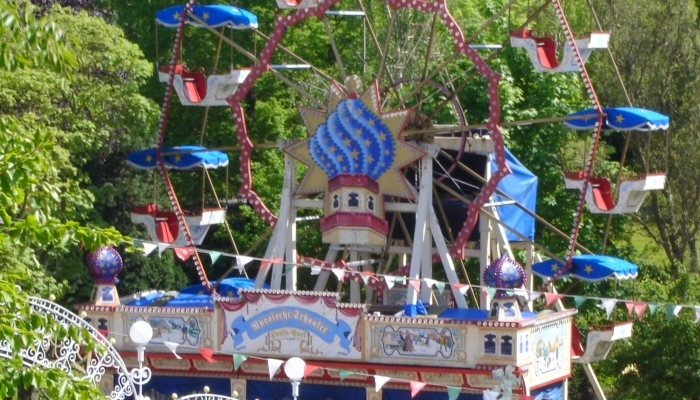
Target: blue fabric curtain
<point>396,394</point>
<point>266,390</point>
<point>521,185</point>
<point>551,392</point>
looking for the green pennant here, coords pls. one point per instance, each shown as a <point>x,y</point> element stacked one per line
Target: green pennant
<point>453,392</point>
<point>344,374</point>
<point>287,269</point>
<point>400,279</point>
<point>510,292</point>
<point>652,308</point>
<point>138,242</point>
<point>214,256</point>
<point>238,360</point>
<point>491,292</point>
<point>670,311</point>
<point>440,286</point>
<point>579,300</point>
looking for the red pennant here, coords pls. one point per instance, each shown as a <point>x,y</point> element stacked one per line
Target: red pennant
<point>415,283</point>
<point>265,263</point>
<point>551,298</point>
<point>630,306</point>
<point>458,286</point>
<point>309,369</point>
<point>416,387</point>
<point>183,253</point>
<point>208,354</point>
<point>639,307</point>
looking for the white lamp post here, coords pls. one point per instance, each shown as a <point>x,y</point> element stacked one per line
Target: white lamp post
<point>294,368</point>
<point>140,334</point>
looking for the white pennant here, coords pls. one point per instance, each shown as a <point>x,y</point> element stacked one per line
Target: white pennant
<point>161,248</point>
<point>173,347</point>
<point>608,305</point>
<point>534,296</point>
<point>697,314</point>
<point>339,273</point>
<point>521,293</point>
<point>676,310</point>
<point>148,248</point>
<point>430,282</point>
<point>379,381</point>
<point>315,270</point>
<point>273,365</point>
<point>489,395</point>
<point>463,290</point>
<point>389,281</point>
<point>241,262</point>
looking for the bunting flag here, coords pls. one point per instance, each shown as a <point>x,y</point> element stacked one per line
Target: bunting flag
<point>161,248</point>
<point>672,311</point>
<point>520,292</point>
<point>379,381</point>
<point>551,298</point>
<point>242,261</point>
<point>208,354</point>
<point>400,280</point>
<point>697,314</point>
<point>440,286</point>
<point>315,270</point>
<point>461,288</point>
<point>264,263</point>
<point>273,365</point>
<point>339,273</point>
<point>534,296</point>
<point>639,308</point>
<point>652,308</point>
<point>344,374</point>
<point>608,305</point>
<point>453,392</point>
<point>214,255</point>
<point>490,292</point>
<point>630,307</point>
<point>415,284</point>
<point>490,395</point>
<point>578,301</point>
<point>309,369</point>
<point>365,278</point>
<point>173,347</point>
<point>137,242</point>
<point>183,253</point>
<point>389,281</point>
<point>416,387</point>
<point>148,248</point>
<point>430,282</point>
<point>287,269</point>
<point>238,360</point>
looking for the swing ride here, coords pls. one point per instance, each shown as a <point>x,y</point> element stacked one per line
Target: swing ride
<point>404,176</point>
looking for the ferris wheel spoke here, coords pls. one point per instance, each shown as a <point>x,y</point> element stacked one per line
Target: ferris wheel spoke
<point>338,59</point>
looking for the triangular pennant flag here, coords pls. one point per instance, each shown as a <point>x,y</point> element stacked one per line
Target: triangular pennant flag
<point>287,269</point>
<point>264,263</point>
<point>208,354</point>
<point>520,292</point>
<point>416,387</point>
<point>440,286</point>
<point>339,273</point>
<point>652,308</point>
<point>273,365</point>
<point>137,242</point>
<point>344,374</point>
<point>148,248</point>
<point>183,253</point>
<point>389,281</point>
<point>491,291</point>
<point>400,280</point>
<point>415,284</point>
<point>214,255</point>
<point>510,292</point>
<point>173,346</point>
<point>462,288</point>
<point>672,311</point>
<point>161,248</point>
<point>379,381</point>
<point>630,306</point>
<point>639,308</point>
<point>242,261</point>
<point>430,282</point>
<point>453,392</point>
<point>578,301</point>
<point>697,314</point>
<point>608,305</point>
<point>489,395</point>
<point>551,298</point>
<point>534,296</point>
<point>238,360</point>
<point>365,278</point>
<point>309,369</point>
<point>315,270</point>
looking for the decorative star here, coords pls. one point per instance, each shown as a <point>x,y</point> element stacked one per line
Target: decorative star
<point>178,158</point>
<point>555,267</point>
<point>205,16</point>
<point>176,16</point>
<point>391,182</point>
<point>149,158</point>
<point>588,269</point>
<point>619,119</point>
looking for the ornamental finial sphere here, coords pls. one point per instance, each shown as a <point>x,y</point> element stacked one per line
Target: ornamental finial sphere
<point>173,396</point>
<point>505,273</point>
<point>104,264</point>
<point>206,389</point>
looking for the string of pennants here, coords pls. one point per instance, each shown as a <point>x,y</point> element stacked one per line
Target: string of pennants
<point>274,365</point>
<point>341,269</point>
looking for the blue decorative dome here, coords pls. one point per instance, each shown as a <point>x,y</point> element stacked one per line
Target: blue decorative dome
<point>505,273</point>
<point>104,264</point>
<point>352,141</point>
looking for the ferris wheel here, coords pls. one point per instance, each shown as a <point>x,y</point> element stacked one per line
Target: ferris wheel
<point>404,152</point>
